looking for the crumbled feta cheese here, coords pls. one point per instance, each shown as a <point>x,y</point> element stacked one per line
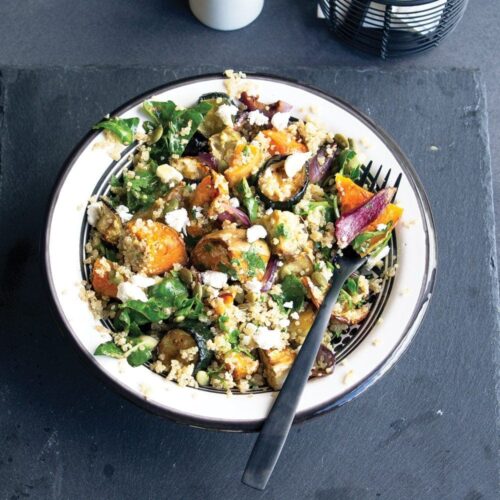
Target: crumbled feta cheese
<point>381,227</point>
<point>215,279</point>
<point>257,118</point>
<point>234,202</point>
<point>129,291</point>
<point>177,219</point>
<point>226,112</point>
<point>284,322</point>
<point>255,233</point>
<point>280,120</point>
<point>94,212</point>
<point>142,281</point>
<point>124,213</point>
<point>269,211</point>
<point>254,285</point>
<point>167,174</point>
<point>288,305</point>
<point>373,260</point>
<point>294,315</point>
<point>295,162</point>
<point>268,339</point>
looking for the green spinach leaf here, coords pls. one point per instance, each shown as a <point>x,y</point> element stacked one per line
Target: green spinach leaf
<point>179,126</point>
<point>123,128</point>
<point>293,291</point>
<point>109,349</point>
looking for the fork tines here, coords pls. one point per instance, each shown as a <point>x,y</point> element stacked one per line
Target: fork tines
<point>373,181</point>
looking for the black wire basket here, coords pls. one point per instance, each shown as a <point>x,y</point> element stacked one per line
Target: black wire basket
<point>392,28</point>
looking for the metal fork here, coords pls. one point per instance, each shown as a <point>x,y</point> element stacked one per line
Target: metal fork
<point>272,437</point>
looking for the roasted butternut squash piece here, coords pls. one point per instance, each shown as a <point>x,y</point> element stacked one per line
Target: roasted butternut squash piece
<point>205,192</point>
<point>283,143</point>
<point>104,278</point>
<point>152,247</point>
<point>246,160</point>
<point>351,196</point>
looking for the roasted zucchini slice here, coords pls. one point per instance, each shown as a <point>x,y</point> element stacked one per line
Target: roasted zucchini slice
<point>186,336</point>
<point>276,189</point>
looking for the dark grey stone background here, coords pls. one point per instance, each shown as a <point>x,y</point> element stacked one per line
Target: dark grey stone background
<point>163,32</point>
<point>426,430</point>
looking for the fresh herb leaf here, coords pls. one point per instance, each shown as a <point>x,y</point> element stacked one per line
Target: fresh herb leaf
<point>191,309</point>
<point>344,297</point>
<point>222,322</point>
<point>233,338</point>
<point>140,190</point>
<point>344,158</point>
<point>141,350</point>
<point>228,270</point>
<point>330,207</point>
<point>123,128</point>
<point>254,262</point>
<point>109,349</point>
<point>281,230</point>
<point>167,298</point>
<point>179,126</point>
<point>351,285</point>
<point>170,292</point>
<point>293,291</point>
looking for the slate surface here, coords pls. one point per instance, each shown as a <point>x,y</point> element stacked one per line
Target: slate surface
<point>426,430</point>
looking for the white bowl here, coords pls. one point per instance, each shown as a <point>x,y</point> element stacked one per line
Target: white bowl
<point>226,15</point>
<point>381,345</point>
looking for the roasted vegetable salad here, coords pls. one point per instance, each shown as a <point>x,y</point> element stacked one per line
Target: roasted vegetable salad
<point>211,252</point>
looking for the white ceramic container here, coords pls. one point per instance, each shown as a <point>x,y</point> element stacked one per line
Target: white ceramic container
<point>226,15</point>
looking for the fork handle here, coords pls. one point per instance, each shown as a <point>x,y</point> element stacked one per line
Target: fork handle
<point>272,437</point>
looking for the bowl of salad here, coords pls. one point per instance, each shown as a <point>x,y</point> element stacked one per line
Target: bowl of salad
<point>192,236</point>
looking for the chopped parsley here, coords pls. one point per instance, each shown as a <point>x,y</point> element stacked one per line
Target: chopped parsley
<point>254,262</point>
<point>281,230</point>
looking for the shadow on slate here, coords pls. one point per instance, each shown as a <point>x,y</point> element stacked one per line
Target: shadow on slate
<point>426,430</point>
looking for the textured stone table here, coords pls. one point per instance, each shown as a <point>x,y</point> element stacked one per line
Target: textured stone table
<point>426,430</point>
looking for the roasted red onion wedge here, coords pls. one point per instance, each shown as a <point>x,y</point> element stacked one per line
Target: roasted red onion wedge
<point>234,214</point>
<point>321,164</point>
<point>209,160</point>
<point>350,225</point>
<point>270,274</point>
